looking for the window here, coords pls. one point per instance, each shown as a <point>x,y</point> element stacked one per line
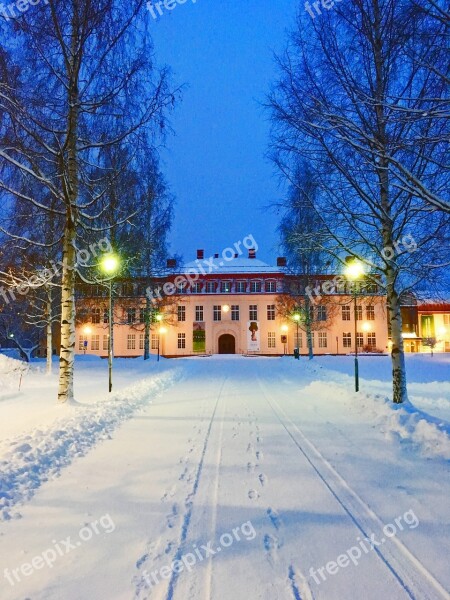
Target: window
<point>131,316</point>
<point>106,316</point>
<point>346,313</point>
<point>210,287</point>
<point>197,288</point>
<point>141,341</point>
<point>241,287</point>
<point>181,313</point>
<point>181,341</point>
<point>371,288</point>
<point>253,312</point>
<point>271,312</point>
<point>312,339</point>
<point>105,342</point>
<point>372,340</point>
<point>225,287</point>
<point>217,313</point>
<point>154,341</point>
<point>347,340</point>
<point>142,312</point>
<point>323,339</point>
<point>234,312</point>
<point>131,341</point>
<point>360,339</point>
<point>446,319</point>
<point>96,315</point>
<point>359,313</point>
<point>255,287</point>
<point>271,340</point>
<point>322,314</point>
<point>83,338</point>
<point>95,343</point>
<point>370,312</point>
<point>271,286</point>
<point>199,314</point>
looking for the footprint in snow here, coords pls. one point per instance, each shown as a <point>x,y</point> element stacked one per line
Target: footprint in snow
<point>253,494</point>
<point>262,479</point>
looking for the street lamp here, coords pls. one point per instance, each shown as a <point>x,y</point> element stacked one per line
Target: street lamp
<point>354,271</point>
<point>284,337</point>
<point>109,265</point>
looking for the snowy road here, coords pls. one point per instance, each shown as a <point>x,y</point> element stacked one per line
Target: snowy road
<point>246,479</point>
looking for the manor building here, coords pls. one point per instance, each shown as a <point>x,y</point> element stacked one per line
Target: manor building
<point>240,305</point>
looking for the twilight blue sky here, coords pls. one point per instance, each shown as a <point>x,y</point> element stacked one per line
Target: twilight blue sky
<point>215,163</point>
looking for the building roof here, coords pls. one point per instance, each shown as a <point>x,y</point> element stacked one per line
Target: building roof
<point>235,266</point>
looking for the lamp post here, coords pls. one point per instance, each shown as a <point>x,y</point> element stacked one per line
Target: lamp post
<point>296,317</point>
<point>159,319</point>
<point>110,265</point>
<point>353,272</point>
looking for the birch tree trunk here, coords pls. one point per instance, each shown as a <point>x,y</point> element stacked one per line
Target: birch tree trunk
<point>49,331</point>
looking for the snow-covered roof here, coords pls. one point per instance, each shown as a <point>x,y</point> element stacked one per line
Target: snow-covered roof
<point>236,266</point>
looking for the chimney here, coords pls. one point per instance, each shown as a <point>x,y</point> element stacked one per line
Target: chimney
<point>216,256</point>
<point>281,261</point>
<point>252,253</point>
<point>200,254</point>
<point>171,263</point>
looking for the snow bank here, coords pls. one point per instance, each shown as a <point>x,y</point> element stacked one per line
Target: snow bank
<point>31,459</point>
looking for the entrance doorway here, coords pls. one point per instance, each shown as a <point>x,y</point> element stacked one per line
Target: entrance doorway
<point>227,344</point>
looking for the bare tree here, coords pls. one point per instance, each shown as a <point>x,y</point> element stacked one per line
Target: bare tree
<point>345,80</point>
<point>90,84</point>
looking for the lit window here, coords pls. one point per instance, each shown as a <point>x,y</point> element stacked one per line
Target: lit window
<point>346,313</point>
<point>225,287</point>
<point>83,338</point>
<point>323,339</point>
<point>154,341</point>
<point>131,341</point>
<point>360,339</point>
<point>271,312</point>
<point>141,341</point>
<point>95,343</point>
<point>372,340</point>
<point>131,316</point>
<point>271,339</point>
<point>181,313</point>
<point>95,316</point>
<point>105,342</point>
<point>347,340</point>
<point>359,313</point>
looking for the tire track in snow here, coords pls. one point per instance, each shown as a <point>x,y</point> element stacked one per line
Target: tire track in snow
<point>189,505</point>
<point>411,574</point>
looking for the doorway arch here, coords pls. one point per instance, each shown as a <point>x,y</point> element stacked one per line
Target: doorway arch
<point>227,344</point>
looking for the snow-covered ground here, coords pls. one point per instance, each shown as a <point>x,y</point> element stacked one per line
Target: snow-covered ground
<point>225,478</point>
